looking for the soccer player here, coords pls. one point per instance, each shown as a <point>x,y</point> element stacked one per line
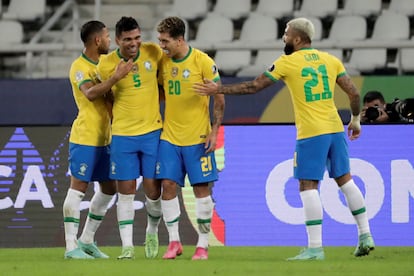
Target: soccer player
<point>136,128</point>
<point>89,138</point>
<point>311,76</point>
<point>189,137</point>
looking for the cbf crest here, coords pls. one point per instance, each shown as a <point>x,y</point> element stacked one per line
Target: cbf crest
<point>148,66</point>
<point>79,76</point>
<point>82,169</point>
<point>174,72</point>
<point>135,68</point>
<point>186,73</point>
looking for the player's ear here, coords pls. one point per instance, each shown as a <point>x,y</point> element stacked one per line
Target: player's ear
<point>97,40</point>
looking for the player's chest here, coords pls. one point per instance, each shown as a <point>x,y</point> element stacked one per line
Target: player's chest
<point>142,74</point>
<point>186,74</point>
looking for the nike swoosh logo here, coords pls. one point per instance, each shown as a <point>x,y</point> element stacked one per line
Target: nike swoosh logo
<point>206,174</point>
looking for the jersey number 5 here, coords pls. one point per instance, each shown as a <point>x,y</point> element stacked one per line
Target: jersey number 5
<point>316,76</point>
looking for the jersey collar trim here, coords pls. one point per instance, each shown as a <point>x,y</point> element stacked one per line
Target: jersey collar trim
<point>88,59</point>
<point>186,56</point>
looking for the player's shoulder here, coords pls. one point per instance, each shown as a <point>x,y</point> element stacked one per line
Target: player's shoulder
<point>76,62</point>
<point>150,46</point>
<point>198,52</point>
<point>325,54</point>
<point>200,55</point>
<point>82,62</point>
<point>151,49</point>
<point>108,57</point>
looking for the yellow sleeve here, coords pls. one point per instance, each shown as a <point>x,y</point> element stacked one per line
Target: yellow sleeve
<point>209,68</point>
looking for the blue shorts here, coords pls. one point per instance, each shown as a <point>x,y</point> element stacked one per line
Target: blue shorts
<point>314,154</point>
<point>174,162</point>
<point>89,163</point>
<point>133,156</point>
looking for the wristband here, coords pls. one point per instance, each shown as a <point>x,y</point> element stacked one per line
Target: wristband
<point>356,121</point>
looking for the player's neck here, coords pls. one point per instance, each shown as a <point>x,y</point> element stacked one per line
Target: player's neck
<point>183,52</point>
<point>91,54</point>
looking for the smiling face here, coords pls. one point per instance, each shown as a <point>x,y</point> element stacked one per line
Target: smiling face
<point>129,43</point>
<point>171,32</point>
<point>169,45</point>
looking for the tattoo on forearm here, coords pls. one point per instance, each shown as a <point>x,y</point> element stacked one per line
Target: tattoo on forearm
<point>348,86</point>
<point>247,87</point>
<point>218,114</point>
<point>355,107</point>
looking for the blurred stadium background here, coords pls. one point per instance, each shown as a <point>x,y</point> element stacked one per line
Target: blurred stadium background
<point>40,38</point>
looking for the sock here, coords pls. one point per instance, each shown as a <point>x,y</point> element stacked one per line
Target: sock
<point>356,204</point>
<point>97,211</point>
<point>313,217</point>
<point>171,214</point>
<point>154,214</point>
<point>204,212</point>
<point>125,213</point>
<point>71,216</point>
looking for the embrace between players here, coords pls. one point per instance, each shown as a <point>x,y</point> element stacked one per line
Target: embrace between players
<point>119,134</point>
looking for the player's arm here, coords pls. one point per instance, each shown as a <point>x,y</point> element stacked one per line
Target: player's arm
<point>93,91</point>
<point>218,114</point>
<point>248,87</point>
<point>354,127</point>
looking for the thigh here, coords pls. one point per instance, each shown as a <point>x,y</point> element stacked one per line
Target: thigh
<point>170,163</point>
<point>125,163</point>
<point>200,166</point>
<point>310,157</point>
<point>148,152</point>
<point>82,161</point>
<point>338,158</point>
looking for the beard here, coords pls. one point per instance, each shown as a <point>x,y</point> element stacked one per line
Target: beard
<point>289,49</point>
<point>103,50</point>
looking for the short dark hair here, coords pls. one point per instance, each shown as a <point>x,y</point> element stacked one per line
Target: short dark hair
<point>126,24</point>
<point>89,29</point>
<point>173,25</point>
<point>372,96</point>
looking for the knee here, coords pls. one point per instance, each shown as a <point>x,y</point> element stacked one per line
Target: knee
<point>169,189</point>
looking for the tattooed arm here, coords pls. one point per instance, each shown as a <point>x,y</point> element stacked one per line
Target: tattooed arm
<point>218,114</point>
<point>354,127</point>
<point>247,87</point>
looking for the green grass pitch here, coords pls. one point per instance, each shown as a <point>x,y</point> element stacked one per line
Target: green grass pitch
<point>225,260</point>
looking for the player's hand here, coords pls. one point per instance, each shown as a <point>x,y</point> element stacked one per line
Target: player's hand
<point>354,128</point>
<point>123,68</point>
<point>211,142</point>
<point>207,88</point>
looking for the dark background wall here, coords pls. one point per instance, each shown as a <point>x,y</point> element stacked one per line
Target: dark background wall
<point>50,101</point>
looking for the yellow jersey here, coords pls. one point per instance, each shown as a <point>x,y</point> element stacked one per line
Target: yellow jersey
<point>187,114</point>
<point>92,124</point>
<point>311,77</point>
<point>136,108</point>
